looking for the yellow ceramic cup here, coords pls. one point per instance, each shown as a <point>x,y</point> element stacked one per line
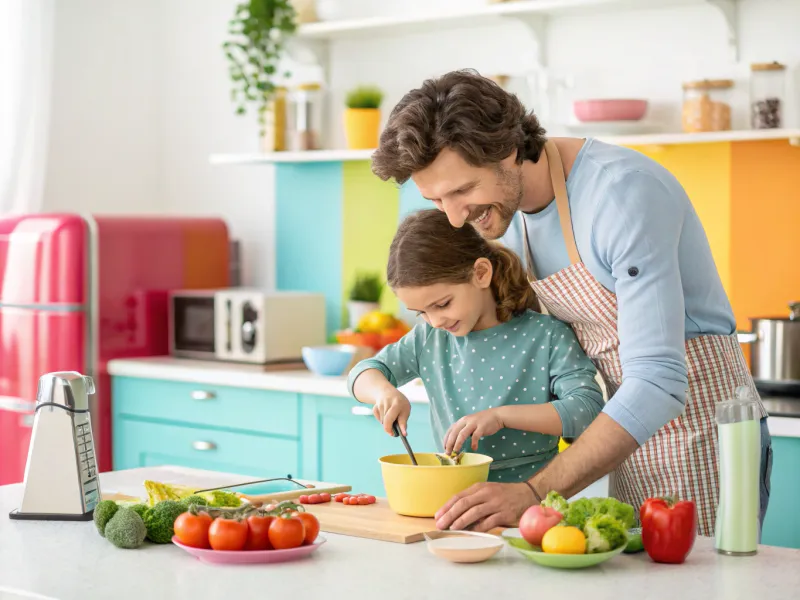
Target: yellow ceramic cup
<point>421,490</point>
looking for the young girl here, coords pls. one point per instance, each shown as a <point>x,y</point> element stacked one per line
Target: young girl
<point>509,379</point>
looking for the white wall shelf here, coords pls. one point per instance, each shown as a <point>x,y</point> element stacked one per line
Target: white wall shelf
<point>534,13</point>
<point>652,140</point>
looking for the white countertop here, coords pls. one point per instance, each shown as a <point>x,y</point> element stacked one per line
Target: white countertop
<point>70,561</point>
<point>274,378</point>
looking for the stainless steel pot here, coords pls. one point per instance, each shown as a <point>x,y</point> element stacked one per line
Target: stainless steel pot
<point>775,356</point>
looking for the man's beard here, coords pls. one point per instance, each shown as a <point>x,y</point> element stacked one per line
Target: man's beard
<point>503,213</point>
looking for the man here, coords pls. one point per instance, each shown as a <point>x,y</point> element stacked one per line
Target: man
<point>614,247</point>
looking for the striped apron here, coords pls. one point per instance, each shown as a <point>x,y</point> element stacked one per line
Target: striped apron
<point>681,458</point>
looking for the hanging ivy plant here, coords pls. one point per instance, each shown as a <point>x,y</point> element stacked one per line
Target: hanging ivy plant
<point>258,31</point>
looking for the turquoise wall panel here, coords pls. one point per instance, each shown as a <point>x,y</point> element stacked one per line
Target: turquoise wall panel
<point>308,199</point>
<point>411,200</point>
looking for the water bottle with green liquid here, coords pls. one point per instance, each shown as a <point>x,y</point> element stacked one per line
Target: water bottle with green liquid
<point>738,424</point>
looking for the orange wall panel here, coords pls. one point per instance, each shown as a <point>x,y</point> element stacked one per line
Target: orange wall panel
<point>765,223</point>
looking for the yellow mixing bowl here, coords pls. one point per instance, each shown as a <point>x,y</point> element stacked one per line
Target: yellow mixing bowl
<point>421,490</point>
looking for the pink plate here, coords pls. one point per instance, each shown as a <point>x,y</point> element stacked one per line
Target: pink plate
<point>250,557</point>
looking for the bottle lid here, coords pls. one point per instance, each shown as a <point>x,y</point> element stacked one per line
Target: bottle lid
<point>743,407</point>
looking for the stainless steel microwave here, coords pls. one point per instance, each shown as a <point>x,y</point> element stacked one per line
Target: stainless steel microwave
<point>245,325</point>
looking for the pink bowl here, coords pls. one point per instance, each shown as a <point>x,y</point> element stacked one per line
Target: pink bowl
<point>609,110</point>
<point>250,557</point>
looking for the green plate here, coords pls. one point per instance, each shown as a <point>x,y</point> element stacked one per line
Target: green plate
<point>558,561</point>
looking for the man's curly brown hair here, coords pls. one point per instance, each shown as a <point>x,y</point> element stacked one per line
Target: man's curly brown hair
<point>460,110</point>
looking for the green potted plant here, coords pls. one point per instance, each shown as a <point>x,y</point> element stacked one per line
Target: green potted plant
<point>362,117</point>
<point>365,296</point>
<point>259,30</point>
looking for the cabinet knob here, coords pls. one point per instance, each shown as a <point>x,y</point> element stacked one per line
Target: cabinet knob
<point>203,395</point>
<point>361,411</point>
<point>204,446</point>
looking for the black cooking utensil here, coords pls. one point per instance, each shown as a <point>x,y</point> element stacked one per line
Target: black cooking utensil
<point>405,443</point>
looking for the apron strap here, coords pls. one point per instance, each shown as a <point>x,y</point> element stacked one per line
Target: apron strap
<point>562,201</point>
<point>562,205</point>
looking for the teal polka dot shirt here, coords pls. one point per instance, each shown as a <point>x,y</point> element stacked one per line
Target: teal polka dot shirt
<point>531,359</point>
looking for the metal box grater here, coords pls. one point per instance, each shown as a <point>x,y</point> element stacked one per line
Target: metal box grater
<point>61,482</point>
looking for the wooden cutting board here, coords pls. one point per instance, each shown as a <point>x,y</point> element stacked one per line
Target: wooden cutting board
<point>374,521</point>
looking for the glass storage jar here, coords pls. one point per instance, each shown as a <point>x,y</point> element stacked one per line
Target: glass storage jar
<point>304,116</point>
<point>706,105</point>
<point>767,95</point>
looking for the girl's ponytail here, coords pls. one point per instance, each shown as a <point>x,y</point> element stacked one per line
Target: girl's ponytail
<point>510,286</point>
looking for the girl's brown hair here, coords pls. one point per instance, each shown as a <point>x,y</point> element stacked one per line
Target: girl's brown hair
<point>427,250</point>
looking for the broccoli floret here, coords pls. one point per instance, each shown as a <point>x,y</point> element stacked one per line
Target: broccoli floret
<point>603,534</point>
<point>103,513</point>
<point>160,521</point>
<point>139,509</point>
<point>193,499</point>
<point>126,529</point>
<point>612,507</point>
<point>578,511</point>
<point>555,501</point>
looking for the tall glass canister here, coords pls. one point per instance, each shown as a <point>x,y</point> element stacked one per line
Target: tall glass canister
<point>767,95</point>
<point>738,424</point>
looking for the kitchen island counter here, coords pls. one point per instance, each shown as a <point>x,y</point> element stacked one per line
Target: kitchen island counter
<point>70,561</point>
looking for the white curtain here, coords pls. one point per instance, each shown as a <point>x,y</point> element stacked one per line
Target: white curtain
<point>26,60</point>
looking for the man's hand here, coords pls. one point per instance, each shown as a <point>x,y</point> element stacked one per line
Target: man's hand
<point>486,506</point>
<point>477,425</point>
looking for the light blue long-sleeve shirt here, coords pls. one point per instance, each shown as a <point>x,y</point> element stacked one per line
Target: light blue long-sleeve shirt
<point>639,236</point>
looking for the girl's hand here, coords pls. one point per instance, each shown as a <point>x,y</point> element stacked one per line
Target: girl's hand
<point>478,425</point>
<point>390,407</point>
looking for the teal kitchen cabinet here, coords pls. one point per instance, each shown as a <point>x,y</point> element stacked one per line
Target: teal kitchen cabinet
<point>782,523</point>
<point>219,428</point>
<point>342,442</point>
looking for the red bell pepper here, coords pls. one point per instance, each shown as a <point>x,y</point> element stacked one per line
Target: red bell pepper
<point>669,529</point>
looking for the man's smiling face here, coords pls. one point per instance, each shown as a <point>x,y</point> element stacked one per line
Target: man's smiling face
<point>486,197</point>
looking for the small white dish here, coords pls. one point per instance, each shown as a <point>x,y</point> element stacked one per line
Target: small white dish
<point>463,546</point>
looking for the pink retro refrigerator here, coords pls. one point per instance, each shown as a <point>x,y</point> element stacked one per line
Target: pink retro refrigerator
<point>77,291</point>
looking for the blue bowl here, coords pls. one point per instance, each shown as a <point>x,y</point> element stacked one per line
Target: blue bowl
<point>328,360</point>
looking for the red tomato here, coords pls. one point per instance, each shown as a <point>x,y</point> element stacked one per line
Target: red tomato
<point>536,521</point>
<point>286,532</point>
<point>341,497</point>
<point>303,499</point>
<point>325,497</point>
<point>372,499</point>
<point>363,500</point>
<point>314,499</point>
<point>311,526</point>
<point>192,530</point>
<point>227,534</point>
<point>258,533</point>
